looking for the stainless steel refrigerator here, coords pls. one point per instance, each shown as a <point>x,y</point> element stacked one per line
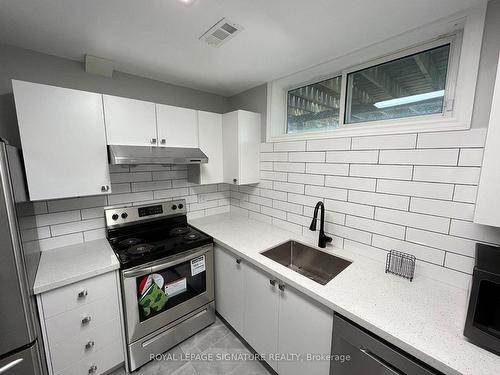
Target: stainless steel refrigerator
<point>20,352</point>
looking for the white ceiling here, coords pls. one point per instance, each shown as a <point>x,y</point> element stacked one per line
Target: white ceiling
<point>159,38</point>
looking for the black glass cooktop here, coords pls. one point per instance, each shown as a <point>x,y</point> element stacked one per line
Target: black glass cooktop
<point>143,243</point>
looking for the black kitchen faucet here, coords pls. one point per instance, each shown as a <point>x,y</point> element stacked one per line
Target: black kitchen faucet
<point>323,238</point>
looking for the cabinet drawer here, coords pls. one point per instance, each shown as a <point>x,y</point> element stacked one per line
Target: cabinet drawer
<point>66,353</point>
<point>69,324</point>
<point>103,360</point>
<point>78,294</point>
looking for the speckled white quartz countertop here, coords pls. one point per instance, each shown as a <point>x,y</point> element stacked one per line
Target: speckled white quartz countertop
<point>69,264</point>
<point>424,318</point>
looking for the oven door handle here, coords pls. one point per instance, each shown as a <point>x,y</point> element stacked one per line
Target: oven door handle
<point>172,261</point>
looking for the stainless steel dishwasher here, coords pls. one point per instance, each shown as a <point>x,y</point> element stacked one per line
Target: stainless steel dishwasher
<point>370,355</point>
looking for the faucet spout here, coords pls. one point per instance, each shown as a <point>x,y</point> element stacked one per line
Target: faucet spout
<point>323,238</point>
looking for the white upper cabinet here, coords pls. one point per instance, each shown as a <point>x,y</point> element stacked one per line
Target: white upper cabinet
<point>177,127</point>
<point>241,143</point>
<point>487,204</point>
<point>63,141</point>
<point>210,139</point>
<point>129,121</point>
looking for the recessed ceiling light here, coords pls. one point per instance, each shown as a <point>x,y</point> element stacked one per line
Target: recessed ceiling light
<point>187,2</point>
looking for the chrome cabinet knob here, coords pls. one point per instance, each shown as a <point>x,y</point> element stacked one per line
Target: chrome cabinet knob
<point>238,260</point>
<point>82,294</point>
<point>86,320</point>
<point>89,345</point>
<point>104,188</point>
<point>163,141</point>
<point>272,282</point>
<point>281,287</point>
<point>153,141</point>
<point>93,369</point>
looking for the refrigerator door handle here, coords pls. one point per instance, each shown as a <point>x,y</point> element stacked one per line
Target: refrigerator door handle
<point>8,366</point>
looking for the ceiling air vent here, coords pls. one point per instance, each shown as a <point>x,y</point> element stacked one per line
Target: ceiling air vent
<point>221,32</point>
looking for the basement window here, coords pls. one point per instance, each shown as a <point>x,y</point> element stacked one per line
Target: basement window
<point>416,84</point>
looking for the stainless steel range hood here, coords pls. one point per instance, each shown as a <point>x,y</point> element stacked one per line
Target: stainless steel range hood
<point>135,155</point>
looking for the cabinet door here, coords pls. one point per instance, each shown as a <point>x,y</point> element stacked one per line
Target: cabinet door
<point>177,127</point>
<point>230,147</point>
<point>249,147</point>
<point>229,292</point>
<point>63,141</point>
<point>487,203</point>
<point>261,313</point>
<point>305,326</point>
<point>210,138</point>
<point>129,121</point>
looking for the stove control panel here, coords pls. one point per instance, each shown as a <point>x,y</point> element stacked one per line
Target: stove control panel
<point>118,216</point>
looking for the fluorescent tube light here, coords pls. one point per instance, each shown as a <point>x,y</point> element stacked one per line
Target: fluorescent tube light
<point>409,99</point>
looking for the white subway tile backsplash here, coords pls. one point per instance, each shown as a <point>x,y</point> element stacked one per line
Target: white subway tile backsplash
<point>414,220</point>
<point>49,219</point>
<point>60,241</point>
<point>352,157</point>
<point>286,225</point>
<point>457,175</point>
<point>394,142</point>
<point>330,216</point>
<point>203,206</point>
<point>92,213</point>
<point>350,208</point>
<point>326,192</point>
<point>94,234</point>
<point>373,226</point>
<point>471,157</point>
<point>289,187</point>
<point>459,262</point>
<point>426,253</point>
<point>395,172</point>
<point>150,185</point>
<point>303,199</point>
<point>329,144</point>
<point>380,200</point>
<point>76,203</point>
<point>355,183</point>
<point>274,176</point>
<point>260,217</point>
<point>290,146</point>
<point>302,178</point>
<point>365,250</point>
<point>133,197</point>
<point>349,233</point>
<point>465,193</point>
<point>266,165</point>
<point>117,178</point>
<point>288,207</point>
<point>76,226</point>
<point>170,175</point>
<point>441,241</point>
<point>273,194</point>
<point>417,189</point>
<point>465,138</point>
<point>273,212</point>
<point>328,169</point>
<point>260,200</point>
<point>290,167</point>
<point>419,157</point>
<point>306,156</point>
<point>442,208</point>
<point>121,188</point>
<point>35,234</point>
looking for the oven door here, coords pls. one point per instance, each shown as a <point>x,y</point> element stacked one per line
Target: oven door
<point>161,292</point>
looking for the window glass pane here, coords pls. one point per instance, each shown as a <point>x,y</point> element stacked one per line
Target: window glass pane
<point>411,86</point>
<point>314,107</point>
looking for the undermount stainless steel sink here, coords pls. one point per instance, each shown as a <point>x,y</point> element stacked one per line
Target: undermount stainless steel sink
<point>310,262</point>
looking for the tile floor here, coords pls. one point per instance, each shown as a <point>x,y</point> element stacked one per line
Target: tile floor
<point>217,338</point>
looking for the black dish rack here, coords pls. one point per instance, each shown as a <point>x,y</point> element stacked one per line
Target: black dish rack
<point>400,264</point>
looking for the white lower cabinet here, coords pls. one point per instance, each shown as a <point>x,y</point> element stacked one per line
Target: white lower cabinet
<point>261,313</point>
<point>82,326</point>
<point>229,290</point>
<point>305,328</point>
<point>273,321</point>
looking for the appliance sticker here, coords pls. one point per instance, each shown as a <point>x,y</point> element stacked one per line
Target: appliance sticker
<point>197,265</point>
<point>176,287</point>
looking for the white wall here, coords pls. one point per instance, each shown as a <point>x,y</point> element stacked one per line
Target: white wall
<point>22,64</point>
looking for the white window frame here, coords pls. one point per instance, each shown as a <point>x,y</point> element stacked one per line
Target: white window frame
<point>464,34</point>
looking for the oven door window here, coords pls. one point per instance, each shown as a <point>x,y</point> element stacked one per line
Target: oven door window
<point>165,289</point>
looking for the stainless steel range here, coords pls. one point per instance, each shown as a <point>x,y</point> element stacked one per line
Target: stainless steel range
<point>167,276</point>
